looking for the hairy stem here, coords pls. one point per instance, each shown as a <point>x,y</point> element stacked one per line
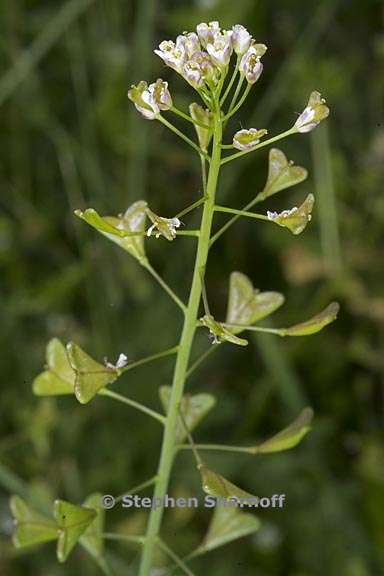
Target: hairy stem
<point>169,447</point>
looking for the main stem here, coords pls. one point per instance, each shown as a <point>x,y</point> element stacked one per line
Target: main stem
<point>169,447</point>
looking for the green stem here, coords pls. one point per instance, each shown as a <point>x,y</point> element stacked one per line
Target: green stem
<point>240,213</point>
<point>177,560</point>
<point>193,233</point>
<point>124,537</point>
<point>188,118</point>
<point>261,145</point>
<point>183,137</point>
<point>200,360</point>
<point>203,174</point>
<point>133,404</point>
<point>231,221</point>
<point>190,208</point>
<point>230,84</point>
<point>169,448</point>
<point>165,287</point>
<point>236,94</point>
<point>147,359</point>
<point>239,104</point>
<point>278,331</point>
<point>137,488</point>
<point>217,447</point>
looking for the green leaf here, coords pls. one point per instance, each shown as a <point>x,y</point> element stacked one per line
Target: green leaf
<point>295,219</point>
<point>90,376</point>
<point>118,229</point>
<point>30,527</point>
<point>59,378</point>
<point>220,333</point>
<point>194,409</point>
<point>290,436</point>
<point>315,324</point>
<point>281,174</point>
<point>247,305</point>
<point>72,521</point>
<point>216,485</point>
<point>92,539</point>
<point>227,524</point>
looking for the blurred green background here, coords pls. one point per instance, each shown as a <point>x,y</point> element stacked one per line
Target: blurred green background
<point>69,138</point>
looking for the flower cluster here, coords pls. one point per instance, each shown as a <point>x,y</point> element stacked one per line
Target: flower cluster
<point>202,57</point>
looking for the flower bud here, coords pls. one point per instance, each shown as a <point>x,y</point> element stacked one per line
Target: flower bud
<point>247,139</point>
<point>202,116</point>
<point>241,39</point>
<point>207,32</point>
<point>250,65</point>
<point>143,100</point>
<point>313,114</point>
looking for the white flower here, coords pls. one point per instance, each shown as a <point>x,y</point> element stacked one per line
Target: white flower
<point>193,74</point>
<point>220,50</point>
<point>295,219</point>
<point>207,32</point>
<point>241,39</point>
<point>247,139</point>
<point>164,226</point>
<point>208,70</point>
<point>313,114</point>
<point>250,64</point>
<point>284,214</point>
<point>174,55</point>
<point>191,43</point>
<point>144,101</point>
<point>121,362</point>
<point>160,94</point>
<point>150,100</point>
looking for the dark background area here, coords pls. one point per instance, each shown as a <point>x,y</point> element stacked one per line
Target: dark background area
<point>69,138</point>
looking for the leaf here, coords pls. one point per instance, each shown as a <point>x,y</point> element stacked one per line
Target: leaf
<point>92,539</point>
<point>295,219</point>
<point>220,333</point>
<point>281,174</point>
<point>72,521</point>
<point>194,409</point>
<point>118,228</point>
<point>90,376</point>
<point>59,378</point>
<point>227,524</point>
<point>315,324</point>
<point>30,527</point>
<point>290,436</point>
<point>247,305</point>
<point>216,485</point>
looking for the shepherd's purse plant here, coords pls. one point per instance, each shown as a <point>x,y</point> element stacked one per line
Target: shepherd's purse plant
<point>222,67</point>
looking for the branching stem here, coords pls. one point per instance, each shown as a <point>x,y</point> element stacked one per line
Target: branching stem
<point>169,447</point>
